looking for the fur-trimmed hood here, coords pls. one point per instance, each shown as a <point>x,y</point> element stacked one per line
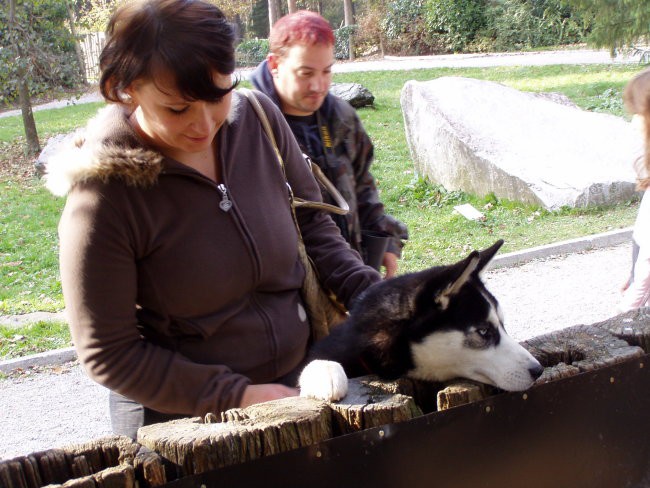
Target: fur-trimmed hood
<point>107,147</point>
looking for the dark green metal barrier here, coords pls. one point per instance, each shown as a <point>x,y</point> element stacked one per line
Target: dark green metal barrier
<point>591,430</point>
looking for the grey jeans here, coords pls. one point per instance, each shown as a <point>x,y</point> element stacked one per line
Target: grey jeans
<point>127,416</point>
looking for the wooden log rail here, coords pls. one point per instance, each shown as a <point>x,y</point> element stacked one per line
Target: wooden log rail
<point>172,450</point>
<point>633,327</point>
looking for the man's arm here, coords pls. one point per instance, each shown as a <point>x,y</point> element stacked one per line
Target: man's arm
<point>372,215</point>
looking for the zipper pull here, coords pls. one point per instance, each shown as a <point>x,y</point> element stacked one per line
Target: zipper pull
<point>225,204</point>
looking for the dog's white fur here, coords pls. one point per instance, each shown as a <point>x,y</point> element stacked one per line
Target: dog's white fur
<point>323,380</point>
<point>443,356</point>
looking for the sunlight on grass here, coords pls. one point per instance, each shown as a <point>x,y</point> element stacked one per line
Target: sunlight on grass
<point>39,337</point>
<point>29,277</point>
<point>50,122</point>
<point>580,83</point>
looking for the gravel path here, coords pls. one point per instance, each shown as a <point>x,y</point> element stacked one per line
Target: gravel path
<point>560,291</point>
<point>52,407</point>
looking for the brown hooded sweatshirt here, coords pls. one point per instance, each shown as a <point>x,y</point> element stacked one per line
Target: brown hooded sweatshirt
<point>172,300</point>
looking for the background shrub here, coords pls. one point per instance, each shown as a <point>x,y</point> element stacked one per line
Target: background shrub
<point>412,27</point>
<point>369,37</point>
<point>524,24</point>
<point>405,29</point>
<point>251,52</point>
<point>342,41</point>
<point>47,46</point>
<point>455,22</point>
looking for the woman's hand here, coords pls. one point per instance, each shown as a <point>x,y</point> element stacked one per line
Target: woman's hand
<point>263,393</point>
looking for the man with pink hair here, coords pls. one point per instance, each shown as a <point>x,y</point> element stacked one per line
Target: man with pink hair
<point>297,75</point>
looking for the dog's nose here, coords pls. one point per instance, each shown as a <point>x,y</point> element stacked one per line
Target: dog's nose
<point>536,371</point>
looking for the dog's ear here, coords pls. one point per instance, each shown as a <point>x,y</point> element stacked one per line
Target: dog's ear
<point>472,265</point>
<point>486,255</point>
<point>463,270</point>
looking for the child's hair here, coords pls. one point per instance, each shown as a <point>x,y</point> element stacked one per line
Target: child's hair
<point>636,97</point>
<point>191,39</point>
<point>302,27</point>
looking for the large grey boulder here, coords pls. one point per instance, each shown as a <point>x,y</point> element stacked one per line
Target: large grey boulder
<point>482,137</point>
<point>354,93</point>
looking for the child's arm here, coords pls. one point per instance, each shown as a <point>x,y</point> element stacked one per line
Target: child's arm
<point>638,292</point>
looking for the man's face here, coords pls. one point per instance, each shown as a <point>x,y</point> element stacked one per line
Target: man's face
<point>302,77</point>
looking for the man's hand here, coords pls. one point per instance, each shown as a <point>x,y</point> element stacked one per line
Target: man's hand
<point>266,392</point>
<point>390,263</point>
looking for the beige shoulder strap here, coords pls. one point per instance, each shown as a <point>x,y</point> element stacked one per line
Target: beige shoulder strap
<point>341,206</point>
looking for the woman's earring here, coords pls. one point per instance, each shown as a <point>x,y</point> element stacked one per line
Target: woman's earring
<point>125,98</point>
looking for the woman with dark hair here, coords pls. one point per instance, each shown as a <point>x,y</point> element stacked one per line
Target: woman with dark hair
<point>178,251</point>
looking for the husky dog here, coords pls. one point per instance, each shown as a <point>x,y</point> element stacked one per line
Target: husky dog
<point>437,324</point>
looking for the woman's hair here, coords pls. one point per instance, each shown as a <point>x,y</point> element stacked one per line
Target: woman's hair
<point>188,38</point>
<point>302,27</point>
<point>636,97</point>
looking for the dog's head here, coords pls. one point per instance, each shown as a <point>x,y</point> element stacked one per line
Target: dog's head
<point>466,337</point>
<point>453,326</point>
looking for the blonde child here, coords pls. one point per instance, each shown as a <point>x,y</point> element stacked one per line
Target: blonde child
<point>637,291</point>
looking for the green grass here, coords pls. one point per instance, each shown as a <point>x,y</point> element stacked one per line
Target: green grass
<point>29,279</point>
<point>49,122</point>
<point>38,337</point>
<point>28,248</point>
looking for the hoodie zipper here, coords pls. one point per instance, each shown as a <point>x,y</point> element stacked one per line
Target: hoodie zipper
<point>225,204</point>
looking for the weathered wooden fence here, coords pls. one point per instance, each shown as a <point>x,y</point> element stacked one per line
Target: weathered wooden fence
<point>92,44</point>
<point>177,452</point>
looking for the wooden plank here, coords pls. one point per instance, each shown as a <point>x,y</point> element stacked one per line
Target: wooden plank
<point>196,446</point>
<point>84,482</point>
<point>79,466</point>
<point>122,476</point>
<point>577,349</point>
<point>149,468</point>
<point>371,402</point>
<point>632,327</point>
<point>14,474</point>
<point>30,468</point>
<point>101,453</point>
<point>462,392</point>
<point>46,469</point>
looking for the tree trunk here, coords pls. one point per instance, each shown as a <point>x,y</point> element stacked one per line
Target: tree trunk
<point>31,134</point>
<point>77,46</point>
<point>291,4</point>
<point>349,21</point>
<point>274,13</point>
<point>33,146</point>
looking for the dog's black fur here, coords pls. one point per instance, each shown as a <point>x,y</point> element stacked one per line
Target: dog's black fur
<point>391,315</point>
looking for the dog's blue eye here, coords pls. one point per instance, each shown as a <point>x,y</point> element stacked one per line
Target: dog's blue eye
<point>483,331</point>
